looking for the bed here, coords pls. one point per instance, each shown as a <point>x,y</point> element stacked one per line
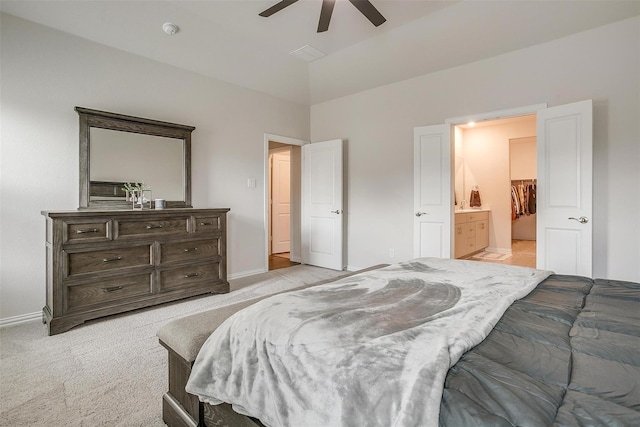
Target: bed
<point>512,346</point>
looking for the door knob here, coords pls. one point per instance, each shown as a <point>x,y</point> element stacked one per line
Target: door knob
<point>421,213</point>
<point>337,212</point>
<point>581,220</point>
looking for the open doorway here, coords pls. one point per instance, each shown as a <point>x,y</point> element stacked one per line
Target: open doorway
<point>495,187</point>
<point>279,206</point>
<point>564,147</point>
<point>523,171</point>
<point>283,157</point>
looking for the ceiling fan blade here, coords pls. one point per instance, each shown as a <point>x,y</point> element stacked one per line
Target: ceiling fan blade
<point>325,15</point>
<point>277,7</point>
<point>369,11</point>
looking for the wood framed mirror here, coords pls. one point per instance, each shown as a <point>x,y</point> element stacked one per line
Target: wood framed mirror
<point>116,149</point>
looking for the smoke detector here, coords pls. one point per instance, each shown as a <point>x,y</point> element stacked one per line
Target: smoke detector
<point>170,28</point>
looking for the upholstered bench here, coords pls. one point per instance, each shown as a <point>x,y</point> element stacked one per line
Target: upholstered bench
<point>183,338</point>
<point>186,335</point>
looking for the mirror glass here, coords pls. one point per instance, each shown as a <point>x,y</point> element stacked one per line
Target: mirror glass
<point>117,156</point>
<point>116,149</point>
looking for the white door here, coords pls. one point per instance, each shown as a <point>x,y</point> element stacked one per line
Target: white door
<point>433,189</point>
<point>322,204</point>
<point>564,193</point>
<point>281,200</point>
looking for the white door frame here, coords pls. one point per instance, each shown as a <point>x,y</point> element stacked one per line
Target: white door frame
<point>283,140</point>
<point>274,199</point>
<point>493,115</point>
<point>500,114</point>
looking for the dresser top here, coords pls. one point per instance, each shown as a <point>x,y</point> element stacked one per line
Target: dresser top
<point>131,212</point>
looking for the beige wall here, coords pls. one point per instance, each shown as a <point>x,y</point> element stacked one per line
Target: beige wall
<point>45,73</point>
<point>523,158</point>
<point>601,64</point>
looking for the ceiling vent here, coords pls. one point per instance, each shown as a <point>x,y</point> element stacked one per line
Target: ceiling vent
<point>308,53</point>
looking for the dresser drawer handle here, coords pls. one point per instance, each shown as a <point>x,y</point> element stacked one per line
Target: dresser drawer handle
<point>88,230</point>
<point>190,275</point>
<point>151,227</point>
<point>190,249</point>
<point>112,289</point>
<point>118,258</point>
<point>207,223</point>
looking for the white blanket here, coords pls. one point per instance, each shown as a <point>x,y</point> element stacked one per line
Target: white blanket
<point>369,350</point>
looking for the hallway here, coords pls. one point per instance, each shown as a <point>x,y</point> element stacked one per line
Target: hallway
<point>282,260</point>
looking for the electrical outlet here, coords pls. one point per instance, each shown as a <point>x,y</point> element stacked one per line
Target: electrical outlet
<point>392,252</point>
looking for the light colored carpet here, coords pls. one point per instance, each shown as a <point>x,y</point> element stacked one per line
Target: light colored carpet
<point>112,371</point>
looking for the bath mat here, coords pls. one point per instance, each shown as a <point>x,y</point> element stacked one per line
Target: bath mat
<point>491,256</point>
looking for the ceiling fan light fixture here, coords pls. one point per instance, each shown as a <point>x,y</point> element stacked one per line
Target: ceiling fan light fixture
<point>170,28</point>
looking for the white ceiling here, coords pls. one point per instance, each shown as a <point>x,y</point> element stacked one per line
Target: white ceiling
<point>227,40</point>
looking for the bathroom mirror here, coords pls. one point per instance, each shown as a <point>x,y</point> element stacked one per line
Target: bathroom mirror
<point>116,149</point>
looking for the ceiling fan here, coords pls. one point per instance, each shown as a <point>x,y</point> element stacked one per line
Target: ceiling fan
<point>364,6</point>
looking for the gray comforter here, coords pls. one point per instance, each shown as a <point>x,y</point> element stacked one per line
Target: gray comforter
<point>568,354</point>
<point>372,349</point>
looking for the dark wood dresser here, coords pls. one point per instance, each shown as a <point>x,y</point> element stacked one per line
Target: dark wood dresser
<point>106,262</point>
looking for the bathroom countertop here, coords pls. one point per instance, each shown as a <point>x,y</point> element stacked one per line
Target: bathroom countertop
<point>467,210</point>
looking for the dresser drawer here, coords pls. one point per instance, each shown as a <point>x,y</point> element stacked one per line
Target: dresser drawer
<point>196,274</point>
<point>208,223</point>
<point>86,231</point>
<point>152,227</point>
<point>107,259</point>
<point>105,292</point>
<point>192,249</point>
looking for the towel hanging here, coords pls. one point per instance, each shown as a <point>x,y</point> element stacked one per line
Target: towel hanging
<point>474,199</point>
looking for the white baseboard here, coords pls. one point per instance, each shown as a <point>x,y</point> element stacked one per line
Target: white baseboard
<point>22,318</point>
<point>246,273</point>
